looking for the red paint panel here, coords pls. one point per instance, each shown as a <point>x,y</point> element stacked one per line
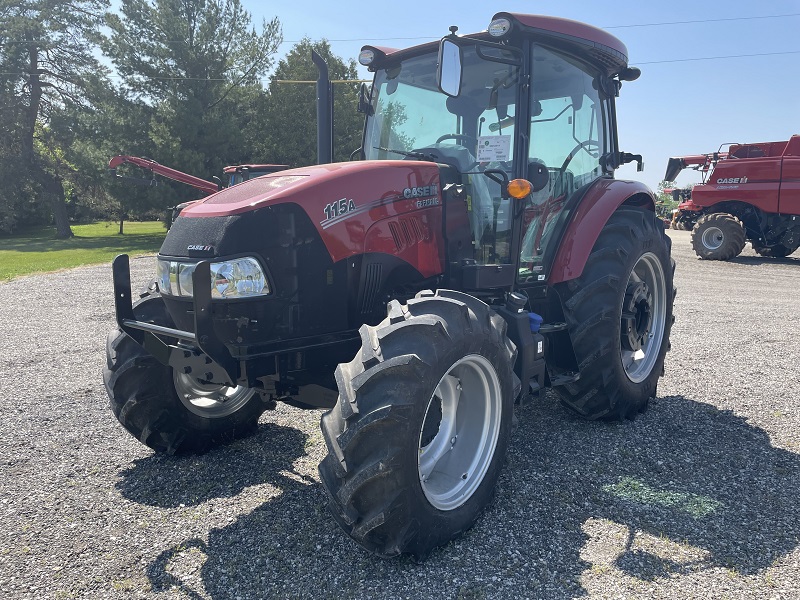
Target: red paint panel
<point>789,202</point>
<point>571,28</point>
<point>790,186</point>
<point>415,238</point>
<point>351,205</point>
<point>760,188</point>
<point>588,220</point>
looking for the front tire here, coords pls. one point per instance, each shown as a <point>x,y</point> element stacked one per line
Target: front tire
<point>619,313</point>
<point>166,410</point>
<point>417,439</point>
<point>718,236</point>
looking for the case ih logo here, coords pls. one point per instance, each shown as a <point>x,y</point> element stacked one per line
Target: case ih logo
<point>199,248</point>
<point>421,192</point>
<point>732,180</point>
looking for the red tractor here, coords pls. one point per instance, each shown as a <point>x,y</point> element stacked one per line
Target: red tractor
<point>749,193</point>
<point>479,251</point>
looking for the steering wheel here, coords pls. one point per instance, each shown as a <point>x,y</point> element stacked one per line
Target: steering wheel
<point>581,146</point>
<point>457,136</point>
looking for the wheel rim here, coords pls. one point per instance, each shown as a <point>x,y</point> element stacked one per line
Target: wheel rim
<point>644,315</point>
<point>459,433</point>
<point>712,238</point>
<point>211,401</point>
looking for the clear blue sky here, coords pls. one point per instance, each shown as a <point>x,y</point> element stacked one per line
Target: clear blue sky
<point>675,108</point>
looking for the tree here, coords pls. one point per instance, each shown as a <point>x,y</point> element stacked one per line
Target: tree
<point>188,64</point>
<point>48,65</point>
<point>288,132</point>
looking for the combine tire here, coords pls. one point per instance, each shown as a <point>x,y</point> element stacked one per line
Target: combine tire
<point>619,313</point>
<point>418,436</point>
<point>776,251</point>
<point>718,236</point>
<point>167,410</point>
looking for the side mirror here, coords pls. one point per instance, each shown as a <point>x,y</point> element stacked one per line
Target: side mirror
<point>448,74</point>
<point>364,104</point>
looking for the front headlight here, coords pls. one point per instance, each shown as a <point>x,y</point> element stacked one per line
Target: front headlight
<point>235,278</point>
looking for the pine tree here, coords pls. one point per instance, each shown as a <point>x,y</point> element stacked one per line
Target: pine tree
<point>49,67</point>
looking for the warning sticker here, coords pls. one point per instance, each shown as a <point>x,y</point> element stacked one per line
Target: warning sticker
<point>494,148</point>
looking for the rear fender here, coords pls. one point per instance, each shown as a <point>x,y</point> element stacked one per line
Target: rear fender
<point>588,220</point>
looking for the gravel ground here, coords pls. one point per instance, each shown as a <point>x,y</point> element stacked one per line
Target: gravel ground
<point>696,498</point>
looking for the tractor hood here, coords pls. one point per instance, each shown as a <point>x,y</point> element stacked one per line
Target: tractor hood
<point>362,185</point>
<point>355,207</point>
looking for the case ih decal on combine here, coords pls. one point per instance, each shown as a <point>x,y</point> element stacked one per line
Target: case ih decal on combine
<point>749,193</point>
<point>417,293</point>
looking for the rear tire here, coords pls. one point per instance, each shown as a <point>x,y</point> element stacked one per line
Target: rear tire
<point>144,396</point>
<point>417,439</point>
<point>619,313</point>
<point>718,236</point>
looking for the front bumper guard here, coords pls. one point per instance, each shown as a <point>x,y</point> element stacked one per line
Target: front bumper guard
<point>200,353</point>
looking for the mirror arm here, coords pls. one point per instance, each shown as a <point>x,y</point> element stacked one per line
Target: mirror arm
<point>615,160</point>
<point>501,178</point>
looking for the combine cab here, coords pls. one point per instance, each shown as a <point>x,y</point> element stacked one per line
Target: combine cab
<point>240,173</point>
<point>479,252</point>
<point>749,193</point>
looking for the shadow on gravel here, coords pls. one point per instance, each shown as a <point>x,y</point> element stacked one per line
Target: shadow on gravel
<point>709,480</point>
<point>171,481</point>
<point>760,260</point>
<point>684,488</point>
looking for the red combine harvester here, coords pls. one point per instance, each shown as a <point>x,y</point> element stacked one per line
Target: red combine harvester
<point>235,175</point>
<point>205,186</point>
<point>479,251</point>
<point>749,193</point>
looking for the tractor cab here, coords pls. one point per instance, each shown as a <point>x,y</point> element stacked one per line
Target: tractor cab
<point>502,109</point>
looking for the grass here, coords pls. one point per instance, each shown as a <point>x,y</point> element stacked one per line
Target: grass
<point>38,251</point>
<point>695,505</point>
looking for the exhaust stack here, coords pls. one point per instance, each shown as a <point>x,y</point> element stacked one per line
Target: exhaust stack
<point>324,111</point>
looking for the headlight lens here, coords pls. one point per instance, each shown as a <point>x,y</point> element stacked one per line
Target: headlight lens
<point>236,278</point>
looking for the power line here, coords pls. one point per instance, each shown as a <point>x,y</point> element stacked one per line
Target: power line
<point>434,37</point>
<point>675,60</point>
<point>651,62</point>
<point>702,21</point>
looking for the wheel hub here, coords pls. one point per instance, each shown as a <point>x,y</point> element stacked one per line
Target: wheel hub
<point>210,400</point>
<point>712,238</point>
<point>637,316</point>
<point>459,432</point>
<point>644,314</point>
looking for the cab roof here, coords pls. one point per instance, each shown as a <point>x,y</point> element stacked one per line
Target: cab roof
<point>596,44</point>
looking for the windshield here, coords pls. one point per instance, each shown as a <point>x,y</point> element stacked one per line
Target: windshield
<point>473,132</point>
